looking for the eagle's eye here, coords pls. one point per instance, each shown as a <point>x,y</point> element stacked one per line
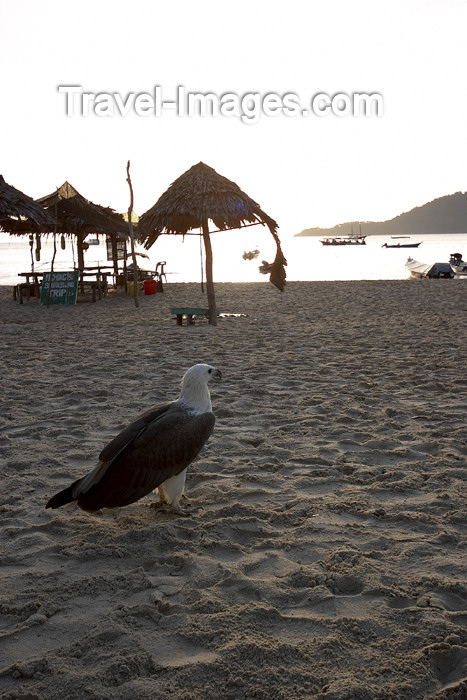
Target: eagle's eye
<point>210,370</point>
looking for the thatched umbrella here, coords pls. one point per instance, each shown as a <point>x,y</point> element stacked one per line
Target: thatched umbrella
<point>200,195</point>
<point>71,214</point>
<point>15,204</point>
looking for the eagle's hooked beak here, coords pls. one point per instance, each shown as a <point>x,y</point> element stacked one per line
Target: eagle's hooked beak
<point>216,374</point>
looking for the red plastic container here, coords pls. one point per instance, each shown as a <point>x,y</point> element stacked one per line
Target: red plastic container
<point>150,286</point>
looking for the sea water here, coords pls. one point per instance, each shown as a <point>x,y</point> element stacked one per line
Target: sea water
<point>307,258</point>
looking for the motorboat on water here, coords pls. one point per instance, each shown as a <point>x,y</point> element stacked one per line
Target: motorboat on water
<point>401,245</point>
<point>250,255</point>
<point>265,268</point>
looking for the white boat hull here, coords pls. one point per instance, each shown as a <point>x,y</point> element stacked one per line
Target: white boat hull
<point>431,270</point>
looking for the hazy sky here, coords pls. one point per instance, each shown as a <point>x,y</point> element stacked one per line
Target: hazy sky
<point>303,171</point>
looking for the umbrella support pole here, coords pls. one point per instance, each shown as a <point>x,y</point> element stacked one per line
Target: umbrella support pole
<point>80,241</point>
<point>209,280</point>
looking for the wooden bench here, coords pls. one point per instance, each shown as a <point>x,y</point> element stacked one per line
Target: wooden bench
<point>28,289</point>
<point>97,289</point>
<point>189,312</point>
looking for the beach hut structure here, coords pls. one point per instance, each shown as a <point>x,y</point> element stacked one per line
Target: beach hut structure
<point>78,216</point>
<point>197,197</point>
<point>15,205</point>
<point>71,214</point>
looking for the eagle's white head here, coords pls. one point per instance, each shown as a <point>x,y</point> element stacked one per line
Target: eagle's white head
<point>195,390</point>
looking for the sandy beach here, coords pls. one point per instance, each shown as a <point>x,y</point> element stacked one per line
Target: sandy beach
<point>325,554</point>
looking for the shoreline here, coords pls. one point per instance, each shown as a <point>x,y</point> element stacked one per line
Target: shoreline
<point>322,558</point>
<point>308,260</point>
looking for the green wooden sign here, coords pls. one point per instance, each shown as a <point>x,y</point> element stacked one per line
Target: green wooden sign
<point>63,287</point>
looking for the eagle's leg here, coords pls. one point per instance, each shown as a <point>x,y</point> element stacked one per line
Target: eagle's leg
<point>171,491</point>
<point>170,507</point>
<point>177,509</point>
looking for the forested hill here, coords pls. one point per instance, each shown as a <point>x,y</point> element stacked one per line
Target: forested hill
<point>443,215</point>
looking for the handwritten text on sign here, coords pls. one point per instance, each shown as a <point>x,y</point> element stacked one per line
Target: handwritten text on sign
<point>62,289</point>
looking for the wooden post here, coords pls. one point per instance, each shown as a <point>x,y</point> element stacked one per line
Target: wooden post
<point>209,280</point>
<point>132,238</point>
<point>80,241</point>
<point>113,239</point>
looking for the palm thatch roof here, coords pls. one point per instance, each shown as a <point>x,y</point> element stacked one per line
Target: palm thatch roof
<point>72,214</point>
<point>199,195</point>
<point>15,204</point>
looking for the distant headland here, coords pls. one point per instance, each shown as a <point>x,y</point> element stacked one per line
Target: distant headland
<point>443,215</point>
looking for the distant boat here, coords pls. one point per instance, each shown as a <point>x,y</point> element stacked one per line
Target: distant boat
<point>250,255</point>
<point>265,268</point>
<point>458,266</point>
<point>401,245</point>
<point>351,239</point>
<point>432,270</point>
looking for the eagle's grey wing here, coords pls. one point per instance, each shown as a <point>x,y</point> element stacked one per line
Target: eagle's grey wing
<point>128,434</point>
<point>160,448</point>
<point>116,445</point>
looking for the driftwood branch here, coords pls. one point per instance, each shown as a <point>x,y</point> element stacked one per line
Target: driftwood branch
<point>132,237</point>
<point>53,257</point>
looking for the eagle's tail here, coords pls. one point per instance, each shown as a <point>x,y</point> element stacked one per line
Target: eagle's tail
<point>65,496</point>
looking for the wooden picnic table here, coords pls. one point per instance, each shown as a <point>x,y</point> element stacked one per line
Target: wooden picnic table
<point>28,288</point>
<point>93,280</point>
<point>98,283</point>
<point>35,275</point>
